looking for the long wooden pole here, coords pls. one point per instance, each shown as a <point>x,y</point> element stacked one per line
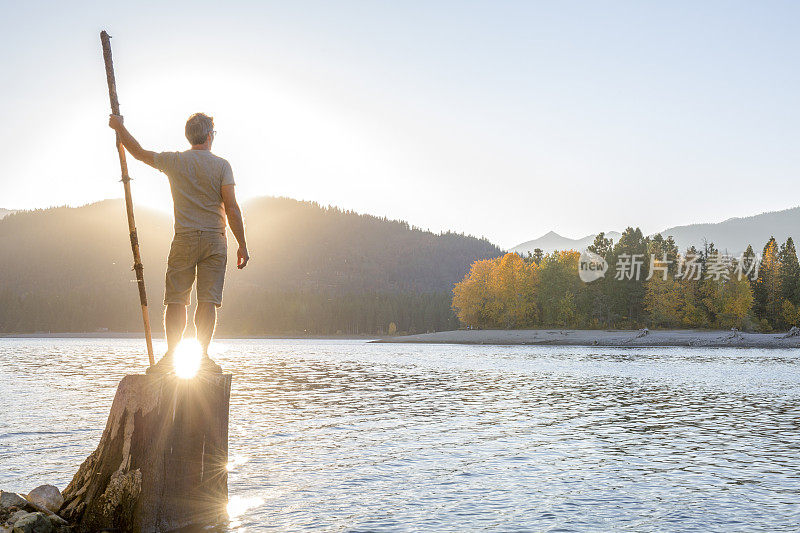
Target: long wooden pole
<point>105,38</point>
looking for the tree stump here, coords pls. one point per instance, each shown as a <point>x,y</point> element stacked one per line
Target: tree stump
<point>161,462</point>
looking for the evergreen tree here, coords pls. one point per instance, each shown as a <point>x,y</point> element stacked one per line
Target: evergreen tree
<point>629,268</point>
<point>789,279</point>
<point>601,246</point>
<point>557,290</point>
<point>599,292</point>
<point>767,301</point>
<point>660,248</point>
<point>789,272</point>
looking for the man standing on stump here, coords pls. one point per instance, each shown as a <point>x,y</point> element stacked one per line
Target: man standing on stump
<point>203,197</point>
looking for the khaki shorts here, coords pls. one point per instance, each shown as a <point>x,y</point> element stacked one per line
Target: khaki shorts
<point>200,254</point>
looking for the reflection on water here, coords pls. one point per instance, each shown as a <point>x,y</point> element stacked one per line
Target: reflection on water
<point>239,505</point>
<point>234,461</point>
<point>345,435</point>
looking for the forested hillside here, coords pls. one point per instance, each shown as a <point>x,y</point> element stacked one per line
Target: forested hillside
<point>314,270</point>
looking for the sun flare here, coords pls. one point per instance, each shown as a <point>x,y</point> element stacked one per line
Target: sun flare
<point>187,358</point>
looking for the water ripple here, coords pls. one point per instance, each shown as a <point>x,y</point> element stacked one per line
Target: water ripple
<point>350,436</point>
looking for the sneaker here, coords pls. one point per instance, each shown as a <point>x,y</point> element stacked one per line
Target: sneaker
<point>209,366</point>
<point>165,365</point>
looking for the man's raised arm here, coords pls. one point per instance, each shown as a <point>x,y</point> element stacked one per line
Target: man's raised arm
<point>236,222</point>
<point>131,144</point>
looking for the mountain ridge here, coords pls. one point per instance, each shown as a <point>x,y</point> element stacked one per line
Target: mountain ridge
<point>733,234</point>
<point>552,241</point>
<point>313,269</point>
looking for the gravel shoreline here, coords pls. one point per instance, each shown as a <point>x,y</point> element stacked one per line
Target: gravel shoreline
<point>617,338</point>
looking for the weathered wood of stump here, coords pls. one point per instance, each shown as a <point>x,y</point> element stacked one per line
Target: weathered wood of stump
<point>161,462</point>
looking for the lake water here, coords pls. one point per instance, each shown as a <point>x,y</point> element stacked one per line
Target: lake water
<point>352,436</point>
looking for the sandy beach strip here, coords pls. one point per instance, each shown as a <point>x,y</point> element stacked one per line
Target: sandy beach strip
<point>630,338</point>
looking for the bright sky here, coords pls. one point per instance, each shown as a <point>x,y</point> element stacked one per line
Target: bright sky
<point>501,119</point>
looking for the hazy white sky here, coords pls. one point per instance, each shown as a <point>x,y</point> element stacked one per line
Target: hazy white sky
<point>501,119</point>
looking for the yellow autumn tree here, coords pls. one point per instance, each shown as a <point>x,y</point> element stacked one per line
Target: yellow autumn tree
<point>736,303</point>
<point>513,293</point>
<point>472,296</point>
<point>790,313</point>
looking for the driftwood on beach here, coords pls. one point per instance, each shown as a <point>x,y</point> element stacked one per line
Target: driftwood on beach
<point>161,462</point>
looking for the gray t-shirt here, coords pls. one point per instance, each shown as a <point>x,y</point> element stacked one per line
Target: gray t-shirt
<point>196,178</point>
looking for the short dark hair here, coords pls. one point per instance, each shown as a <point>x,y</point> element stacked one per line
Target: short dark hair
<point>198,127</point>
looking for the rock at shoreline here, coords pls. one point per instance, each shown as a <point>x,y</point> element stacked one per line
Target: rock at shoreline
<point>46,496</point>
<point>33,523</point>
<point>10,500</point>
<point>18,515</point>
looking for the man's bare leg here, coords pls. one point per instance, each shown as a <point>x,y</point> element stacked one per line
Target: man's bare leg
<point>174,325</point>
<point>205,320</point>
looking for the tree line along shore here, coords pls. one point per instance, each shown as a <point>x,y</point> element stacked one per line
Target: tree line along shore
<point>750,292</point>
